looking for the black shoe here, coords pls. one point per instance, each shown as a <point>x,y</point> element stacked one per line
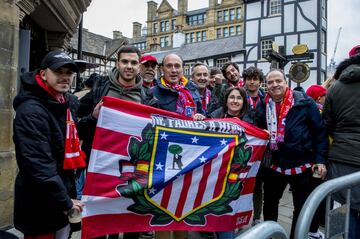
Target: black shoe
<point>146,235</point>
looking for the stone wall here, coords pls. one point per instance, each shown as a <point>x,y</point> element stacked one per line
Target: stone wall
<point>9,35</point>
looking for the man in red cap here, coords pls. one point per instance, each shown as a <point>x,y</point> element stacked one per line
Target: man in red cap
<point>148,70</point>
<point>318,93</point>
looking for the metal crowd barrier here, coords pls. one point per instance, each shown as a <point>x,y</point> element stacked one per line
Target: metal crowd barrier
<point>335,217</point>
<point>264,230</point>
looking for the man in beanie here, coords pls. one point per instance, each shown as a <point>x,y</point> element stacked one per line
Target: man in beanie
<point>47,150</point>
<point>355,50</point>
<point>318,94</point>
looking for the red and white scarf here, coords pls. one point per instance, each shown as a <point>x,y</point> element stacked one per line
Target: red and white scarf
<point>74,156</point>
<point>276,124</point>
<point>185,104</point>
<point>205,100</point>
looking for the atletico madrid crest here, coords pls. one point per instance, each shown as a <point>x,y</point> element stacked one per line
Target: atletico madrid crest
<point>183,175</point>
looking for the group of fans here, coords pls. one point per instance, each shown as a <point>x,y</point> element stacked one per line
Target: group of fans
<point>298,124</point>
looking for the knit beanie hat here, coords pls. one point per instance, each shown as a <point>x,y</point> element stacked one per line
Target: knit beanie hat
<point>354,50</point>
<point>316,91</point>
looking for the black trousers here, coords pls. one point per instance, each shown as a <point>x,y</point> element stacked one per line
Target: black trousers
<point>274,186</point>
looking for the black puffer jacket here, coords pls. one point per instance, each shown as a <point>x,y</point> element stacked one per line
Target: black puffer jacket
<point>43,190</point>
<point>342,113</point>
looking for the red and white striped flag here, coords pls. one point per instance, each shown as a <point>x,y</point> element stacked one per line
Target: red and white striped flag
<point>153,170</point>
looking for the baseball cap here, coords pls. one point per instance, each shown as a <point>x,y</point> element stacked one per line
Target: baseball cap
<point>56,59</point>
<point>355,50</point>
<point>147,58</point>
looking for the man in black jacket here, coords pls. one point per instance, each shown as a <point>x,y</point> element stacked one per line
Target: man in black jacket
<point>44,186</point>
<point>298,144</point>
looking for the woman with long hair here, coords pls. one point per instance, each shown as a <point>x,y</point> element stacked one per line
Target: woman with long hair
<point>235,104</point>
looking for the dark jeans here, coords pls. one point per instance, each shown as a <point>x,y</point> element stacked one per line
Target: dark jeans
<point>274,186</point>
<point>354,225</point>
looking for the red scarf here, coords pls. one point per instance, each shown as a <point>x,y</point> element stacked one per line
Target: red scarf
<point>185,104</point>
<point>276,122</point>
<point>253,102</point>
<point>74,156</point>
<point>205,100</point>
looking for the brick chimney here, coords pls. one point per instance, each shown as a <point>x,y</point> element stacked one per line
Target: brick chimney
<point>117,34</point>
<point>151,12</point>
<point>182,6</point>
<point>212,3</point>
<point>136,30</point>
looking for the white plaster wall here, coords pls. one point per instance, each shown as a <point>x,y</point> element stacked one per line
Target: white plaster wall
<point>211,62</point>
<point>264,66</point>
<point>291,41</point>
<point>248,65</point>
<point>252,32</point>
<point>270,26</point>
<point>309,39</point>
<point>279,40</point>
<point>310,11</point>
<point>253,10</point>
<point>238,58</point>
<point>289,18</point>
<point>253,56</point>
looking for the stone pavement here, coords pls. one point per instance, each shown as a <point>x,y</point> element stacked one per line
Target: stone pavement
<point>285,217</point>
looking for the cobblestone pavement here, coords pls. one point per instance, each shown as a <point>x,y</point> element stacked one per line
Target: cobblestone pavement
<point>285,218</point>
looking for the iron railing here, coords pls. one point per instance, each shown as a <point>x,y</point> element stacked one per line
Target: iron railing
<point>317,196</point>
<point>264,230</point>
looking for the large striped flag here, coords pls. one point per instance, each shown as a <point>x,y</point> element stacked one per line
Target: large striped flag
<point>155,170</point>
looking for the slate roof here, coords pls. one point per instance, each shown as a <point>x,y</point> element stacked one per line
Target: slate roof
<point>197,11</point>
<point>98,44</point>
<point>205,50</point>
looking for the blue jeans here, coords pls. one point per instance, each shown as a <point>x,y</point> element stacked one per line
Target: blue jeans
<point>226,235</point>
<point>354,225</point>
<point>79,182</point>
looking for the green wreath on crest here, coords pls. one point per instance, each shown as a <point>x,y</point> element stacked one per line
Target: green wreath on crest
<point>141,150</point>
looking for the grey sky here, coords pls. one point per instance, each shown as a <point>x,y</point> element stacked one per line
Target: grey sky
<point>105,16</point>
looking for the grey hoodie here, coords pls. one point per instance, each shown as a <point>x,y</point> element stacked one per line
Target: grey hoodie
<point>118,91</point>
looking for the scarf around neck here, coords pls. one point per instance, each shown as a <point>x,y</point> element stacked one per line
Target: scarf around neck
<point>74,156</point>
<point>185,104</point>
<point>276,124</point>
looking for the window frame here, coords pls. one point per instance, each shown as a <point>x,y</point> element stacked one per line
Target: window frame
<point>275,7</point>
<point>265,46</point>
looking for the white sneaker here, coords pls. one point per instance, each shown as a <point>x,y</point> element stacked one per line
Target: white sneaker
<point>316,235</point>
